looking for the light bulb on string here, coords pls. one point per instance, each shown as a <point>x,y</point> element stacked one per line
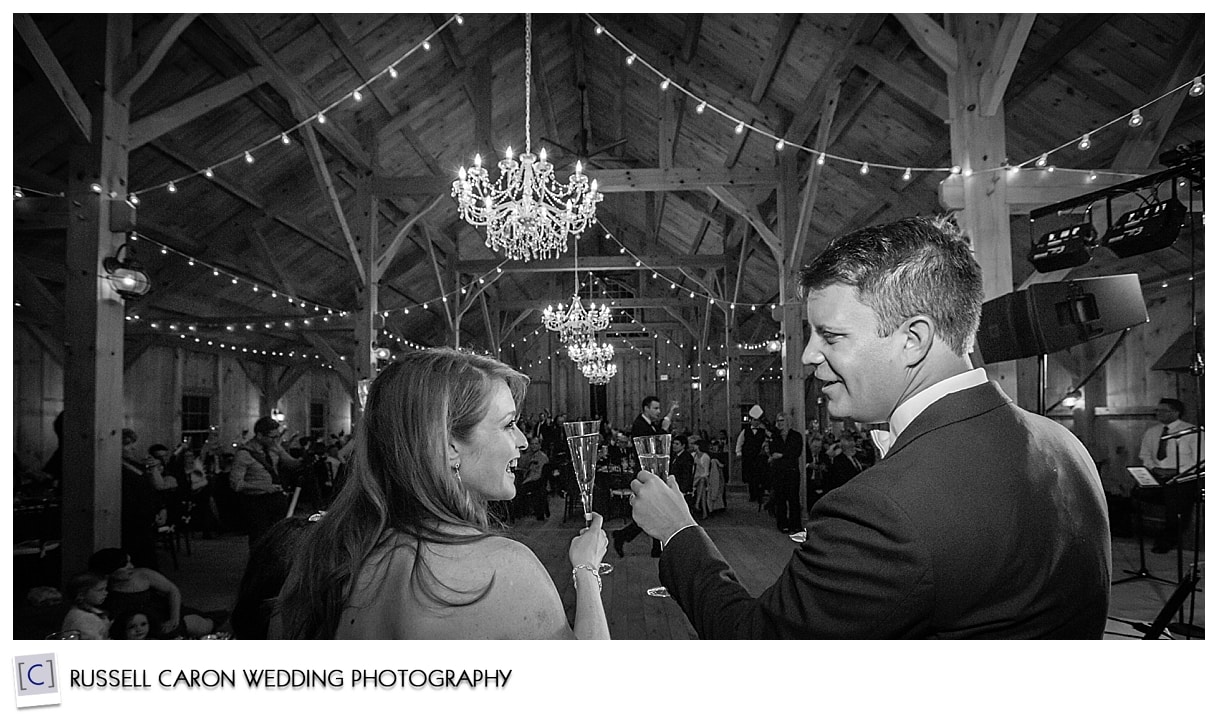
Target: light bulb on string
<point>740,128</point>
<point>171,187</point>
<point>249,158</point>
<point>780,145</point>
<point>701,107</point>
<point>907,175</point>
<point>1084,143</point>
<point>865,168</point>
<point>17,193</point>
<point>393,73</point>
<point>1198,87</point>
<point>133,199</point>
<point>426,46</point>
<point>321,118</point>
<point>665,84</point>
<point>209,173</point>
<point>1135,119</point>
<point>630,60</point>
<point>820,160</point>
<point>1042,161</point>
<point>460,20</point>
<point>955,170</point>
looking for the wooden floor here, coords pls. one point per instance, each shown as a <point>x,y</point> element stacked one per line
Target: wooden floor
<point>749,540</point>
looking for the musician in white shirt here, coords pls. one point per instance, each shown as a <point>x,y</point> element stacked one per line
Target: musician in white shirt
<point>1166,458</point>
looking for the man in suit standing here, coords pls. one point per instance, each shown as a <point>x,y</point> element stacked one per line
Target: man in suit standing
<point>1004,538</point>
<point>845,465</point>
<point>750,450</point>
<point>1166,458</point>
<point>647,423</point>
<point>784,468</point>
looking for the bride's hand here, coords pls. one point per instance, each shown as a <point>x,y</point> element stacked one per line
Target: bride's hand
<point>589,546</point>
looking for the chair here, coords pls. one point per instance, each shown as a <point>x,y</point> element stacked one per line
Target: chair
<point>619,503</point>
<point>167,536</point>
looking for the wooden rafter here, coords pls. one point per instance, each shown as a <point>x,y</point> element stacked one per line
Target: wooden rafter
<point>1008,46</point>
<point>322,173</point>
<point>778,47</point>
<point>931,38</point>
<point>689,42</point>
<point>1142,146</point>
<point>386,258</point>
<point>861,30</point>
<point>803,224</point>
<point>82,118</point>
<point>608,180</point>
<point>907,81</point>
<point>165,34</point>
<point>159,123</point>
<point>750,213</point>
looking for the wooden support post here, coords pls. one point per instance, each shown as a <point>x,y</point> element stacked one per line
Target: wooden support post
<point>364,229</point>
<point>791,313</point>
<point>979,143</point>
<point>93,373</point>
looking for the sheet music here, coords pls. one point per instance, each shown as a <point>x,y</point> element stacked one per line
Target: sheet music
<point>1143,476</point>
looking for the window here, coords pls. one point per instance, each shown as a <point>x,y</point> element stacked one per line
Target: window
<point>196,419</point>
<point>317,420</point>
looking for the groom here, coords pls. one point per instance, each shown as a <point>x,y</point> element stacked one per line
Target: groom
<point>1004,538</point>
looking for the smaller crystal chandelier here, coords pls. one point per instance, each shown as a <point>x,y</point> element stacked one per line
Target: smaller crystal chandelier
<point>526,212</point>
<point>574,323</point>
<point>589,351</point>
<point>599,372</point>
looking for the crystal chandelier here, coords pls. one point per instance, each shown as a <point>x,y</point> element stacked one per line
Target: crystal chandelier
<point>599,372</point>
<point>589,351</point>
<point>526,212</point>
<point>574,323</point>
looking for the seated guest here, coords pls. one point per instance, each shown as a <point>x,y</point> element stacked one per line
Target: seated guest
<point>131,588</point>
<point>405,550</point>
<point>134,625</point>
<point>533,485</point>
<point>87,592</point>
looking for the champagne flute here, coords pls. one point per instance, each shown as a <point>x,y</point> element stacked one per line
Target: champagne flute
<point>653,456</point>
<point>584,440</point>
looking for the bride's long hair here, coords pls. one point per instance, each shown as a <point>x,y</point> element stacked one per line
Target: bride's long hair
<point>399,482</point>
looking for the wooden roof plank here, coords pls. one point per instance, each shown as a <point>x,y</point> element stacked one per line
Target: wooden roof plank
<point>322,173</point>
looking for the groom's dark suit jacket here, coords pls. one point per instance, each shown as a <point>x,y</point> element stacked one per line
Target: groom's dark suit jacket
<point>983,520</point>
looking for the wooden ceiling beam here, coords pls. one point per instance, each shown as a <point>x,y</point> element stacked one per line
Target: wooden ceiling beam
<point>61,84</point>
<point>907,81</point>
<point>607,180</point>
<point>386,257</point>
<point>861,31</point>
<point>1142,145</point>
<point>689,41</point>
<point>595,263</point>
<point>301,102</point>
<point>778,48</point>
<point>159,123</point>
<point>185,157</point>
<point>1046,57</point>
<point>164,36</point>
<point>931,38</point>
<point>1008,46</point>
<point>751,214</point>
<point>803,225</point>
<point>366,72</point>
<point>322,174</point>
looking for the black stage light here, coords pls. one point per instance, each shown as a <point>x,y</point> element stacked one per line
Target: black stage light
<point>1066,247</point>
<point>1145,229</point>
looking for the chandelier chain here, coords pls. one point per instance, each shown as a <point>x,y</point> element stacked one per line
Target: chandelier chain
<point>528,82</point>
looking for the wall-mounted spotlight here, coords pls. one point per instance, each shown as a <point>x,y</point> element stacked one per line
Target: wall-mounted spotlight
<point>126,276</point>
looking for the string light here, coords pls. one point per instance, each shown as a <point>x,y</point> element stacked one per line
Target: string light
<point>907,175</point>
<point>1197,88</point>
<point>864,169</point>
<point>393,73</point>
<point>171,187</point>
<point>701,107</point>
<point>780,145</point>
<point>249,158</point>
<point>209,173</point>
<point>630,60</point>
<point>1042,161</point>
<point>1135,119</point>
<point>665,84</point>
<point>285,139</point>
<point>1085,142</point>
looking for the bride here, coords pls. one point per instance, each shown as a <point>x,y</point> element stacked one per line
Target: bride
<point>405,550</point>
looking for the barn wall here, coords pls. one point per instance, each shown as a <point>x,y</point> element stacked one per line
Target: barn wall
<point>152,396</point>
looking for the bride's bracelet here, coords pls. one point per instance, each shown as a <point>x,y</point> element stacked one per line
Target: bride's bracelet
<point>591,569</point>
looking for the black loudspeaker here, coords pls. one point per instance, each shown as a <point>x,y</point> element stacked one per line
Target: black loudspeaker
<point>1048,317</point>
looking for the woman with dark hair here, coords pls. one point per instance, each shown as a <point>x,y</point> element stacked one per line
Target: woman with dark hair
<point>405,550</point>
<point>131,588</point>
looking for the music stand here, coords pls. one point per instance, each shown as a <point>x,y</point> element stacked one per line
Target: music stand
<point>1143,480</point>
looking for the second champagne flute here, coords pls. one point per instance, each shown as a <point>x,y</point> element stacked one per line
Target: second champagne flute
<point>653,456</point>
<point>584,440</point>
